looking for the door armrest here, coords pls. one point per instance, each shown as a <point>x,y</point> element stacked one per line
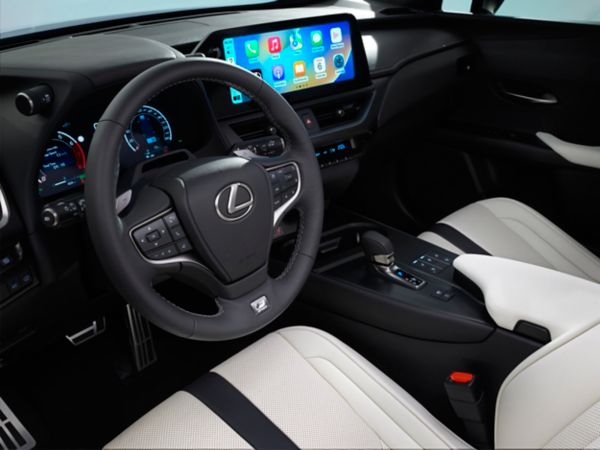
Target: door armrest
<point>516,291</point>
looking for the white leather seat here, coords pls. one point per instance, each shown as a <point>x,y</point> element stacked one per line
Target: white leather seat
<point>314,388</point>
<point>321,394</point>
<point>508,228</point>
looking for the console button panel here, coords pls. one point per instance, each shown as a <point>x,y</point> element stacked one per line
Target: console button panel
<point>433,262</point>
<point>16,273</point>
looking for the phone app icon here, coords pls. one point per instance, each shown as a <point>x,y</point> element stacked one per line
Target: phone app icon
<point>320,65</point>
<point>316,38</point>
<point>274,44</point>
<point>295,40</point>
<point>278,72</point>
<point>338,61</point>
<point>299,68</point>
<point>251,48</point>
<point>336,35</point>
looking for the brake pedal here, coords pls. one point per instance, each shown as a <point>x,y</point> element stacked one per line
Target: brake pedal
<point>140,338</point>
<point>13,435</point>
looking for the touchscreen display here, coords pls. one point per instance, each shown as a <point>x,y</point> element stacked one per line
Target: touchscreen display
<point>294,59</point>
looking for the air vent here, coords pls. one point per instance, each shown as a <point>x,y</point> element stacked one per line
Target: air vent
<point>4,213</point>
<point>332,114</point>
<point>253,129</point>
<point>13,434</point>
<point>399,11</point>
<point>187,48</point>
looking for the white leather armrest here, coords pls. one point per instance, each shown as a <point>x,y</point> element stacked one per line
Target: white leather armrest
<point>517,291</point>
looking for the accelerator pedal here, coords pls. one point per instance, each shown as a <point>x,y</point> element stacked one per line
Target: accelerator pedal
<point>13,435</point>
<point>140,338</point>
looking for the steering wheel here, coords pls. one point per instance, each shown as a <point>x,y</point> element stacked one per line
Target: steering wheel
<point>208,221</point>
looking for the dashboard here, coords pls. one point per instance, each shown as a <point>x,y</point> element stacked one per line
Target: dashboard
<point>311,57</point>
<point>343,82</point>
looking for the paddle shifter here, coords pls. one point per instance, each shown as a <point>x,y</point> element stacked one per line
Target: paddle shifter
<point>380,251</point>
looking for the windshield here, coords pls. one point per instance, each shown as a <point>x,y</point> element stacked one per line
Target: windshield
<point>20,17</point>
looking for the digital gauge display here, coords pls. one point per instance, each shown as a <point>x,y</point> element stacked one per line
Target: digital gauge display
<point>149,133</point>
<point>148,136</point>
<point>63,166</point>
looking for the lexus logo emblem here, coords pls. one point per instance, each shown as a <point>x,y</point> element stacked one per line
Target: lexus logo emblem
<point>234,202</point>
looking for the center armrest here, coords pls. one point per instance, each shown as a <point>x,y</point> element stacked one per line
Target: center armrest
<point>516,291</point>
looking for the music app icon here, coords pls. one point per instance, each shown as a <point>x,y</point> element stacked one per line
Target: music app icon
<point>274,44</point>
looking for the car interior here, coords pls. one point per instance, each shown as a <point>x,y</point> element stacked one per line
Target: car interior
<point>301,224</point>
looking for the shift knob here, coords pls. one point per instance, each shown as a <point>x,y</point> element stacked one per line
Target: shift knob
<point>378,248</point>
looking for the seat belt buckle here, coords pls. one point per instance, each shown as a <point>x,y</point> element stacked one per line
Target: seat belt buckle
<point>463,387</point>
<point>467,400</point>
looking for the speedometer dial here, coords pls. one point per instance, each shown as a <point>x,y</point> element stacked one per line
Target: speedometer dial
<point>149,133</point>
<point>63,166</point>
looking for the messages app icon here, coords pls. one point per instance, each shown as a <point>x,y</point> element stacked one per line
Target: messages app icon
<point>316,38</point>
<point>251,48</point>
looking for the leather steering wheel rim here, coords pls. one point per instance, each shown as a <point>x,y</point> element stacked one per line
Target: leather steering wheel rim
<point>132,274</point>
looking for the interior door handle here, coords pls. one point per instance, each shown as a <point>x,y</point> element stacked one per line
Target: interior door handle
<point>546,99</point>
<point>583,155</point>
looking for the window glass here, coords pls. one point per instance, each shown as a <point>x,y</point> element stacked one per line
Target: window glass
<point>579,11</point>
<point>552,10</point>
<point>456,6</point>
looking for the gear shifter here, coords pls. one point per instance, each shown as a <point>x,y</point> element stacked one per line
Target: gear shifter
<point>380,251</point>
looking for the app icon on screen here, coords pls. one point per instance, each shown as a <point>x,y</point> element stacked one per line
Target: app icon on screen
<point>320,65</point>
<point>257,72</point>
<point>278,72</point>
<point>316,38</point>
<point>295,40</point>
<point>236,96</point>
<point>274,44</point>
<point>299,68</point>
<point>336,35</point>
<point>251,48</point>
<point>338,61</point>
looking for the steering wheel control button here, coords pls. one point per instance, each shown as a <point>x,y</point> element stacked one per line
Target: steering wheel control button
<point>166,252</point>
<point>171,220</point>
<point>177,233</point>
<point>183,246</point>
<point>162,238</point>
<point>260,304</point>
<point>152,236</point>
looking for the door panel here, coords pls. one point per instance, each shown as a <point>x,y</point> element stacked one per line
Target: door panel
<point>491,135</point>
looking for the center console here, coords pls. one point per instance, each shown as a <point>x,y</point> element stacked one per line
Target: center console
<point>415,295</point>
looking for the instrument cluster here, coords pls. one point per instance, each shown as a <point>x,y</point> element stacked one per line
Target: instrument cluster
<point>158,128</point>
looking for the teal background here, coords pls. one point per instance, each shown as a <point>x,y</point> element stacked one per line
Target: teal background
<point>552,10</point>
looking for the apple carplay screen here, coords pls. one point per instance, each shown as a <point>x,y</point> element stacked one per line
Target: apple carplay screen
<point>300,59</point>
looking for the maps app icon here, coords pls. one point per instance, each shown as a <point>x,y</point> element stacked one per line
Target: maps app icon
<point>295,40</point>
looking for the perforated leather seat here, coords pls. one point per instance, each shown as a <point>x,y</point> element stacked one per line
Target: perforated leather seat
<point>312,391</point>
<point>315,389</point>
<point>508,228</point>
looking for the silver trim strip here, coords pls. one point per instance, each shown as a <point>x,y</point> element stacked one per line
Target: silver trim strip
<point>547,99</point>
<point>5,213</point>
<point>279,212</point>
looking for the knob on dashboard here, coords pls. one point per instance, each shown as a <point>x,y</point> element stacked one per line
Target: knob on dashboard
<point>50,218</point>
<point>34,100</point>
